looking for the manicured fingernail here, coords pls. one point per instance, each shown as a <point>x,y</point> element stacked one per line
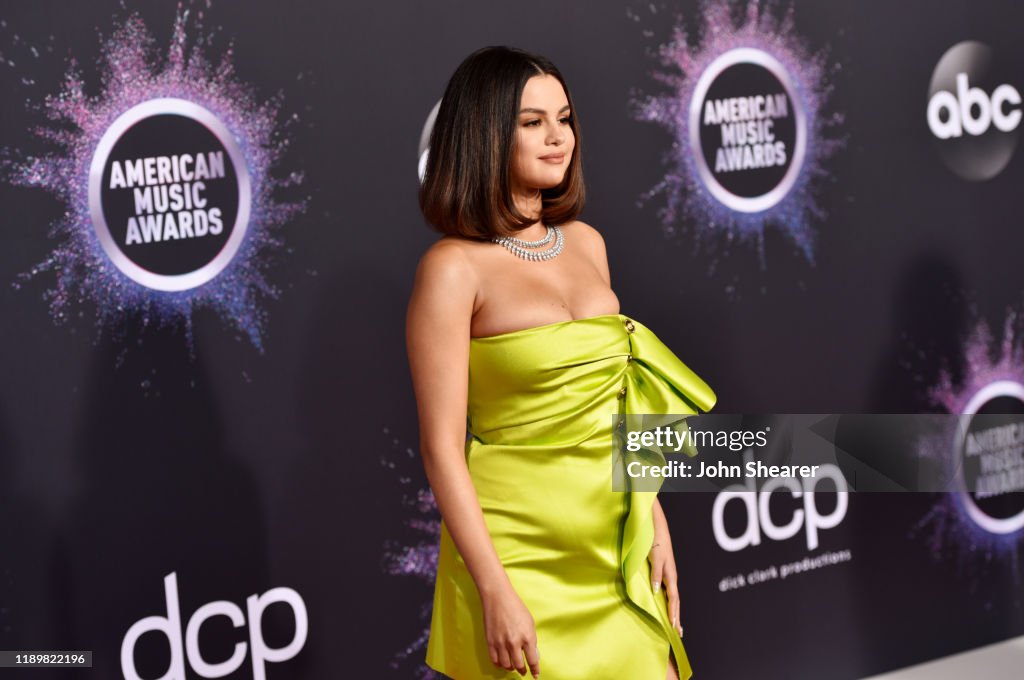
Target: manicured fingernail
<point>657,586</point>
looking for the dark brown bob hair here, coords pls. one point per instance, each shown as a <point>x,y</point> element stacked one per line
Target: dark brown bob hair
<point>467,184</point>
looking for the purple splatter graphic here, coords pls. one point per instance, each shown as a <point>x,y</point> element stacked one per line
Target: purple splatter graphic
<point>684,60</point>
<point>951,524</point>
<point>132,72</point>
<point>418,558</point>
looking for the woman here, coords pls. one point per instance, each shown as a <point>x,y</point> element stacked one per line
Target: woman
<point>523,334</point>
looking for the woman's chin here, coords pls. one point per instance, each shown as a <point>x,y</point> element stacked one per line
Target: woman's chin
<point>550,182</point>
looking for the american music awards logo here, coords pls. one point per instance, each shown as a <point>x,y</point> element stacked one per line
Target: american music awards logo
<point>171,205</point>
<point>745,106</point>
<point>982,517</point>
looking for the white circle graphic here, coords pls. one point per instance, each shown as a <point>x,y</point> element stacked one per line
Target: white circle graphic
<point>1000,388</point>
<point>746,55</point>
<point>199,114</point>
<point>428,128</point>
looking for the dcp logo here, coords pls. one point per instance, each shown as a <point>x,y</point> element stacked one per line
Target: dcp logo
<point>973,113</point>
<point>170,626</point>
<point>758,516</point>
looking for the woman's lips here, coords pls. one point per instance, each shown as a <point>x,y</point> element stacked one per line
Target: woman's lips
<point>554,159</point>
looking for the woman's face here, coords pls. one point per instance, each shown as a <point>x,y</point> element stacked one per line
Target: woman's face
<point>544,139</point>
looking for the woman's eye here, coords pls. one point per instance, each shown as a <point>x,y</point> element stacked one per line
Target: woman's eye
<point>535,122</point>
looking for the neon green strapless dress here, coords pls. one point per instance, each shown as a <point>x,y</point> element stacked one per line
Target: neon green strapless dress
<point>541,404</point>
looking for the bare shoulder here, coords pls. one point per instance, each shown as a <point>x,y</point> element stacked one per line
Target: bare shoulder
<point>448,260</point>
<point>589,238</point>
<point>592,243</point>
<point>587,233</point>
<point>446,283</point>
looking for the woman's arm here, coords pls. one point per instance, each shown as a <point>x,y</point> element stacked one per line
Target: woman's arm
<point>437,340</point>
<point>661,533</point>
<point>663,564</point>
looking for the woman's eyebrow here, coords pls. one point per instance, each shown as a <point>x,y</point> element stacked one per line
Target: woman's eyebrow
<point>542,111</point>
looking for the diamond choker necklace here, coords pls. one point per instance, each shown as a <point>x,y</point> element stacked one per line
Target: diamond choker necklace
<point>520,247</point>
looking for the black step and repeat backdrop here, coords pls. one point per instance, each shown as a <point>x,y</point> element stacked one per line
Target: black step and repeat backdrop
<point>208,443</point>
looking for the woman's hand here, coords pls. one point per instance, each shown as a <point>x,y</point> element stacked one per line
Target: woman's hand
<point>510,632</point>
<point>663,566</point>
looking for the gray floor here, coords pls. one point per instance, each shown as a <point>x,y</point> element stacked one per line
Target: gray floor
<point>1001,661</point>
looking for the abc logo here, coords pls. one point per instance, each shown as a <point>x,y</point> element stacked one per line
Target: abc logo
<point>758,515</point>
<point>170,626</point>
<point>959,110</point>
<point>972,112</point>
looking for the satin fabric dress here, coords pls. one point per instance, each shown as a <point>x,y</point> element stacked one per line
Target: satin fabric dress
<point>541,406</point>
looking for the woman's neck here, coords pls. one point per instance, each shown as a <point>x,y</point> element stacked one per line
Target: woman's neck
<point>529,204</point>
